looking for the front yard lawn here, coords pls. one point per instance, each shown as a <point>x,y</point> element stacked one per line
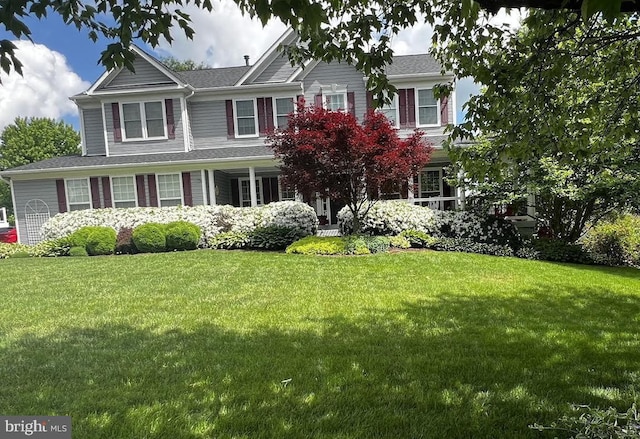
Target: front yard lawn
<point>213,344</point>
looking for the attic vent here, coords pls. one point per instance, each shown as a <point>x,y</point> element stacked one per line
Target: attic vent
<point>246,60</point>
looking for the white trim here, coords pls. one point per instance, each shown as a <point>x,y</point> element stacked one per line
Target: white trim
<point>143,120</point>
<point>417,109</point>
<point>203,176</point>
<point>453,102</point>
<point>83,140</point>
<point>396,104</point>
<point>280,198</point>
<point>104,128</point>
<point>179,174</point>
<point>267,57</point>
<point>258,190</point>
<point>252,186</point>
<point>302,72</point>
<point>212,187</point>
<point>15,209</point>
<point>255,119</point>
<point>335,90</point>
<point>185,124</point>
<point>66,193</point>
<point>135,190</point>
<point>137,91</point>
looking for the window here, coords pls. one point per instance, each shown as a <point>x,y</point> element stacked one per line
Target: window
<point>391,111</point>
<point>335,101</point>
<point>169,189</point>
<point>431,183</point>
<point>246,124</point>
<point>123,191</point>
<point>78,194</point>
<point>428,113</point>
<point>245,191</point>
<point>284,107</point>
<point>143,120</point>
<point>286,193</point>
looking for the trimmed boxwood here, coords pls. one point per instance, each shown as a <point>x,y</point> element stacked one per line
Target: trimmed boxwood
<point>80,236</point>
<point>182,235</point>
<point>150,238</point>
<point>274,237</point>
<point>78,251</point>
<point>101,241</point>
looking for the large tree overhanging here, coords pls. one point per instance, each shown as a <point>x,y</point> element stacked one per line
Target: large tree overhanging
<point>329,29</point>
<point>560,110</point>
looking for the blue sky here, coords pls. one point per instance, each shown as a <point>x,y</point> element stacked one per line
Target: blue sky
<point>62,61</point>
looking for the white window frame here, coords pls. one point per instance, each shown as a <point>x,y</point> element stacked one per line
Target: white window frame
<point>158,188</point>
<point>338,92</point>
<point>440,182</point>
<point>68,198</point>
<point>280,190</point>
<point>417,100</point>
<point>135,192</point>
<point>259,194</point>
<point>396,102</point>
<point>275,108</point>
<point>143,121</point>
<point>255,118</point>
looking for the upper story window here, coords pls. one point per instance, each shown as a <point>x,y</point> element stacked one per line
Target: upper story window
<point>283,107</point>
<point>124,192</point>
<point>428,108</point>
<point>335,101</point>
<point>391,111</point>
<point>144,120</point>
<point>78,193</point>
<point>245,120</point>
<point>169,189</point>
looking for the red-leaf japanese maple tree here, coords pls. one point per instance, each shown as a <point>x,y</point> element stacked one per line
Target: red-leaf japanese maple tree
<point>330,153</point>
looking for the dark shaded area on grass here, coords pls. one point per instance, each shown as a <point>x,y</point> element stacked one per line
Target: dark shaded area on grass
<point>452,366</point>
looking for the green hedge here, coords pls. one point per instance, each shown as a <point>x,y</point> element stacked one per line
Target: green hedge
<point>182,235</point>
<point>150,238</point>
<point>615,242</point>
<point>101,241</point>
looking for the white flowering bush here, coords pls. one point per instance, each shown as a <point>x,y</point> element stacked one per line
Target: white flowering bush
<point>477,227</point>
<point>212,220</point>
<point>390,218</point>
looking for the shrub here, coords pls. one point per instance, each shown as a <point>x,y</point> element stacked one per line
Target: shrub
<point>78,251</point>
<point>356,245</point>
<point>470,246</point>
<point>377,244</point>
<point>79,237</point>
<point>615,242</point>
<point>52,248</point>
<point>389,218</point>
<point>558,251</point>
<point>150,238</point>
<point>124,241</point>
<point>21,255</point>
<point>182,235</point>
<point>229,241</point>
<point>417,239</point>
<point>399,241</point>
<point>479,227</point>
<point>274,237</point>
<point>101,241</point>
<point>318,245</point>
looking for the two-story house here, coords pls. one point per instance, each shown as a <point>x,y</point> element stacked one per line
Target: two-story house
<point>158,137</point>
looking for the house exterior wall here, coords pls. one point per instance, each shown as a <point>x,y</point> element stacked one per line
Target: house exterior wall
<point>223,185</point>
<point>93,131</point>
<point>145,74</point>
<point>278,71</point>
<point>209,124</point>
<point>134,147</point>
<point>24,191</point>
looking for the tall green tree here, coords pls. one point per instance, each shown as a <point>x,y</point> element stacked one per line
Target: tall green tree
<point>31,140</point>
<point>182,65</point>
<point>559,108</point>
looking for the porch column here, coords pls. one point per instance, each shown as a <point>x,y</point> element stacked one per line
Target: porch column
<point>212,188</point>
<point>531,205</point>
<point>410,194</point>
<point>252,186</point>
<point>460,191</point>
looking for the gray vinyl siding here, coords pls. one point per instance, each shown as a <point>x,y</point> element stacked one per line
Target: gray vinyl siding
<point>196,188</point>
<point>24,191</point>
<point>209,124</point>
<point>93,131</point>
<point>223,184</point>
<point>145,74</point>
<point>146,146</point>
<point>278,71</point>
<point>340,74</point>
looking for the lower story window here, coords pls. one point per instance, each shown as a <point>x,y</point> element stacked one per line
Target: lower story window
<point>286,193</point>
<point>124,192</point>
<point>431,183</point>
<point>245,192</point>
<point>78,194</point>
<point>169,190</point>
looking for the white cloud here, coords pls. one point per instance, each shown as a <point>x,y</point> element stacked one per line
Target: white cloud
<point>44,89</point>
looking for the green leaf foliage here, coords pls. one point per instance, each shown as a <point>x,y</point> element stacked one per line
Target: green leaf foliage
<point>182,235</point>
<point>150,238</point>
<point>101,241</point>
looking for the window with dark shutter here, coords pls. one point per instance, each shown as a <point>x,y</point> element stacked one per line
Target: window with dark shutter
<point>171,126</point>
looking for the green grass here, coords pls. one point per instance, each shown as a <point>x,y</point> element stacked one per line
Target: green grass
<point>213,344</point>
